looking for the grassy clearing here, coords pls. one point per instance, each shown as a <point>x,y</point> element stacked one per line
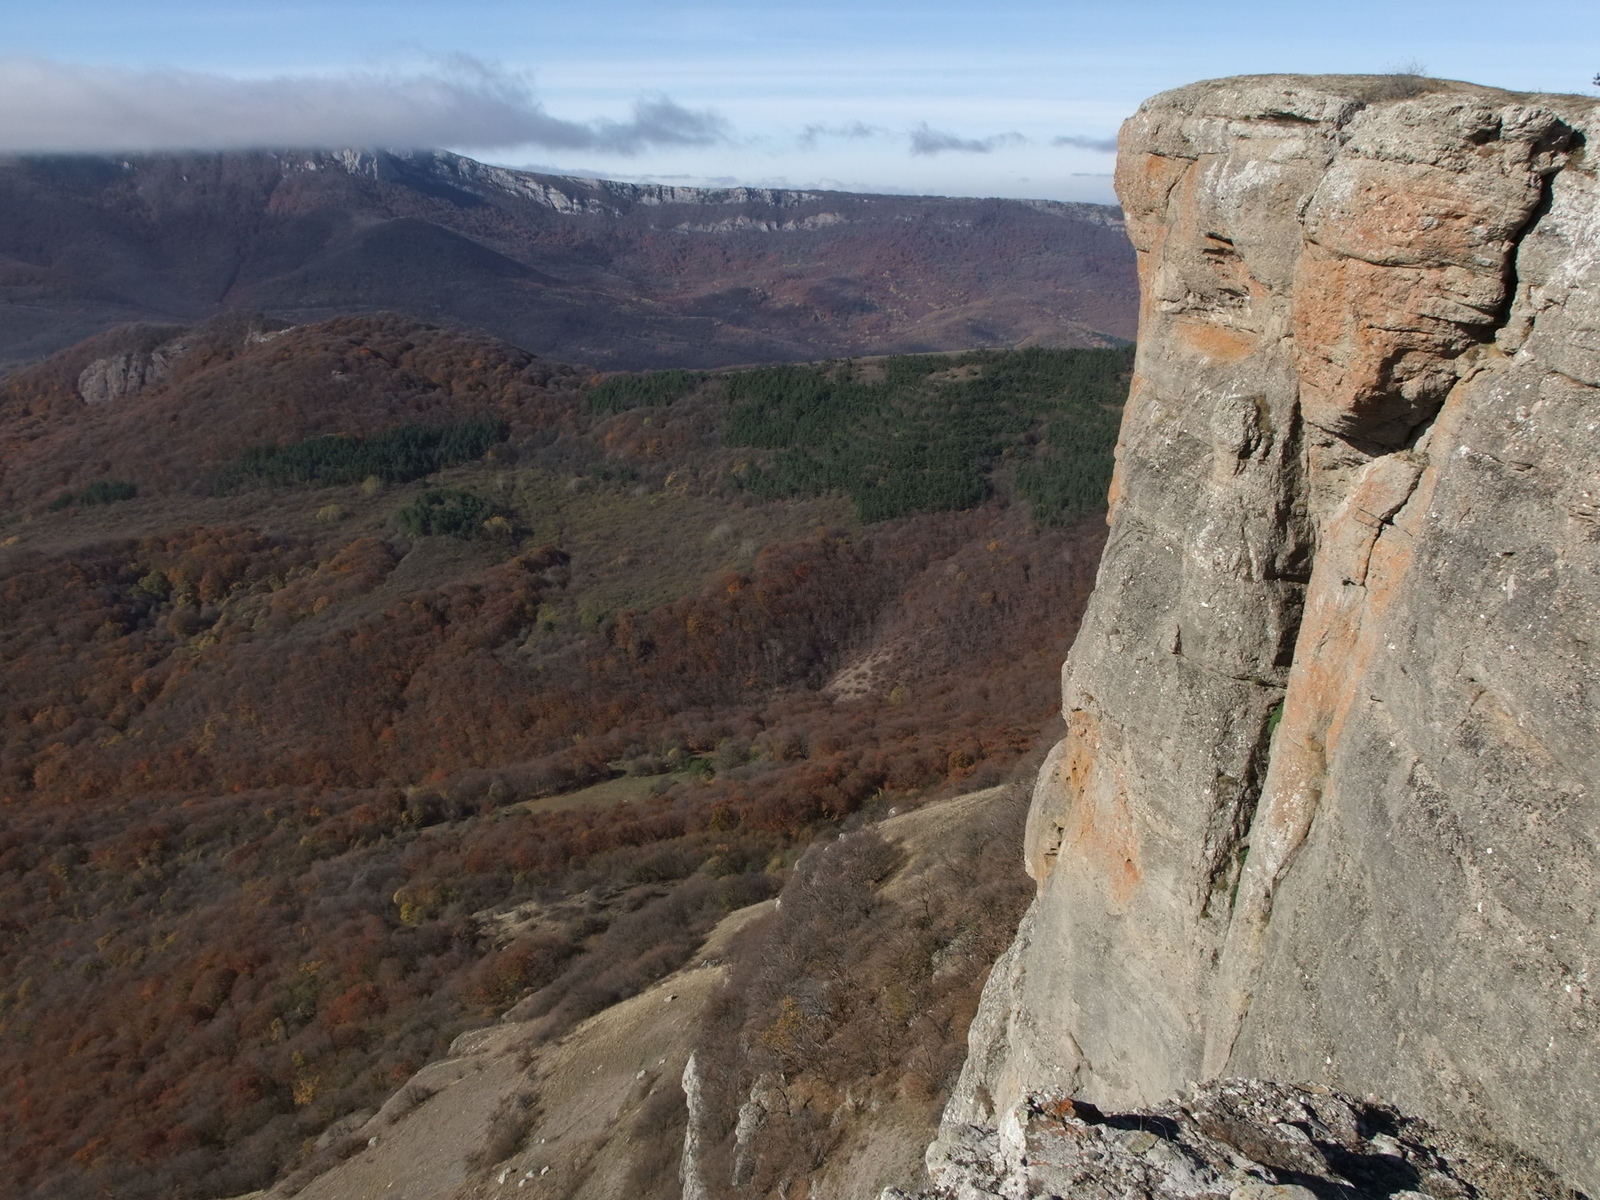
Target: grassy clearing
<point>633,550</point>
<point>625,789</point>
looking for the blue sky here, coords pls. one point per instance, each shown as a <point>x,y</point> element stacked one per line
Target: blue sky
<point>1011,99</point>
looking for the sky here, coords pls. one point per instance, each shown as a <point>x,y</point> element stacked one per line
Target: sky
<point>1002,98</point>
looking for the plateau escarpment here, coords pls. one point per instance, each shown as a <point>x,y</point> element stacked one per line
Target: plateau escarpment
<point>1325,810</point>
<point>584,270</point>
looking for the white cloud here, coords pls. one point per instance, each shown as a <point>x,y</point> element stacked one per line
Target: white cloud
<point>855,131</point>
<point>933,141</point>
<point>51,107</point>
<point>1103,145</point>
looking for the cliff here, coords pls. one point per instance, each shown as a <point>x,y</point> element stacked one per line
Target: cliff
<point>1324,811</point>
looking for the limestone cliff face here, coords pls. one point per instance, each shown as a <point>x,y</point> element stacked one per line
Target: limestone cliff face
<point>1325,810</point>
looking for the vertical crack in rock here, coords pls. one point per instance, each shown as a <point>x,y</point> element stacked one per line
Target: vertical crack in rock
<point>1356,573</point>
<point>1355,570</point>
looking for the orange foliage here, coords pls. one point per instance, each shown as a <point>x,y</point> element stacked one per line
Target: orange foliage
<point>232,388</point>
<point>255,791</point>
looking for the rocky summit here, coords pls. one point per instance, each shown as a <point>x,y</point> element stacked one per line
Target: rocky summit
<point>1325,807</point>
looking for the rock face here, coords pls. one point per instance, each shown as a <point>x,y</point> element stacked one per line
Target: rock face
<point>1243,1139</point>
<point>122,375</point>
<point>1325,810</point>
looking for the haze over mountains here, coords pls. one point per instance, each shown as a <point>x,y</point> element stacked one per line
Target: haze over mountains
<point>608,274</point>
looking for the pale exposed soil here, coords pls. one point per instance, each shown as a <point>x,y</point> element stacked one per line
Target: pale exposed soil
<point>585,1087</point>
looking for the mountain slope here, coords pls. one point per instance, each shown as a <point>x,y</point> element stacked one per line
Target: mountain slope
<point>584,270</point>
<point>482,686</point>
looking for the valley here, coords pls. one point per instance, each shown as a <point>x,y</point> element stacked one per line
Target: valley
<point>399,681</point>
<point>514,683</point>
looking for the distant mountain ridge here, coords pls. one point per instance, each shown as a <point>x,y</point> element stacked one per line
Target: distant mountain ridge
<point>613,274</point>
<point>615,197</point>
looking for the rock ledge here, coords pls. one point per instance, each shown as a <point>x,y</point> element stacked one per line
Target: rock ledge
<point>1238,1139</point>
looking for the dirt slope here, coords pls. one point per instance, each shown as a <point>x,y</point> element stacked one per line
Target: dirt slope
<point>598,1114</point>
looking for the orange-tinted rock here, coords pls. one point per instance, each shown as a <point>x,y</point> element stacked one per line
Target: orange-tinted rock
<point>1325,808</point>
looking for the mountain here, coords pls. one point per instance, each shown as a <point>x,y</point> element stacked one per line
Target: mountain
<point>366,684</point>
<point>1325,809</point>
<point>426,766</point>
<point>582,270</point>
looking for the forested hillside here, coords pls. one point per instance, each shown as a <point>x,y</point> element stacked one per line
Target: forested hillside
<point>586,270</point>
<point>329,643</point>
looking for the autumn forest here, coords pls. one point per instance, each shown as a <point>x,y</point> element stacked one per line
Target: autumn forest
<point>320,646</point>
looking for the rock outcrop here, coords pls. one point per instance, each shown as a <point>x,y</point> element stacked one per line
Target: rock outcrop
<point>107,379</point>
<point>1236,1138</point>
<point>1325,809</point>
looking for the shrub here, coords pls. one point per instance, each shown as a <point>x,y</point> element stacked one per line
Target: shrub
<point>528,963</point>
<point>397,455</point>
<point>508,1129</point>
<point>101,491</point>
<point>1401,82</point>
<point>444,511</point>
<point>622,392</point>
<point>107,491</point>
<point>155,585</point>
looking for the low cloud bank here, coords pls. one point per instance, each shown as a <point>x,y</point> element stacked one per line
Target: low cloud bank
<point>59,108</point>
<point>925,140</point>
